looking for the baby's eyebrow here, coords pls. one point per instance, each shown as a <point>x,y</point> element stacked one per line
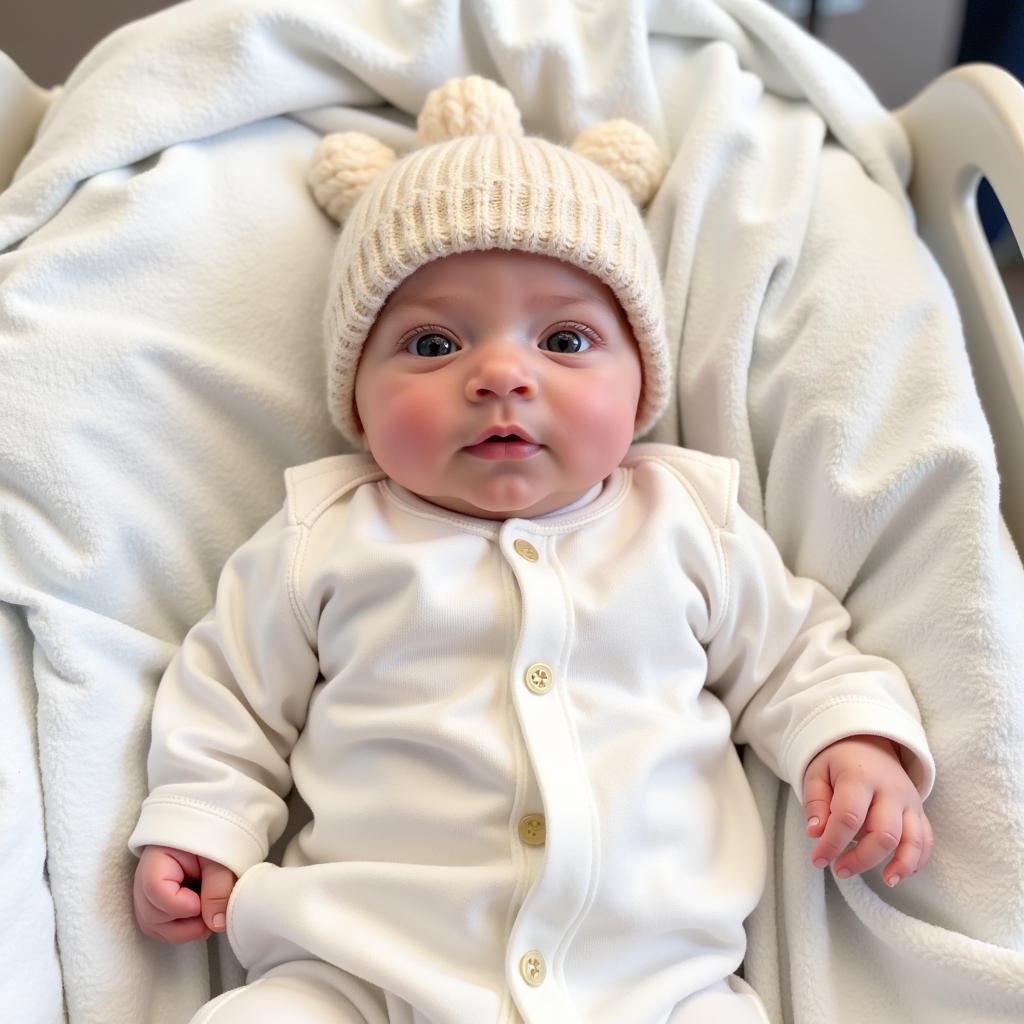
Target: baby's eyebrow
<point>569,300</point>
<point>456,301</point>
<point>439,300</point>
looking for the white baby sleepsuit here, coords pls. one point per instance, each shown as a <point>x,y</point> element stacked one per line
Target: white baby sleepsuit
<point>515,739</point>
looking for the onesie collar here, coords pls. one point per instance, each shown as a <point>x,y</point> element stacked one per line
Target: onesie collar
<point>589,506</point>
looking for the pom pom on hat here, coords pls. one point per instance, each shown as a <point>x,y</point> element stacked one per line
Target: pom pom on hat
<point>343,164</point>
<point>627,153</point>
<point>468,106</point>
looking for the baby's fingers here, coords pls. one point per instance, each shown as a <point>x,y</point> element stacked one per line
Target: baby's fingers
<point>912,852</point>
<point>817,798</point>
<point>160,882</point>
<point>847,812</point>
<point>218,881</point>
<point>177,931</point>
<point>880,835</point>
<point>159,922</point>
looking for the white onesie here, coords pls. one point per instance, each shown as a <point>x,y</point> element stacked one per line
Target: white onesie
<point>516,739</point>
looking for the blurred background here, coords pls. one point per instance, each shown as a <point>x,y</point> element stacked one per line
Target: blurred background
<point>897,45</point>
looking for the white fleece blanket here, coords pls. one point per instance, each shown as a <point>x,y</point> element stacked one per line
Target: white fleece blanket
<point>161,363</point>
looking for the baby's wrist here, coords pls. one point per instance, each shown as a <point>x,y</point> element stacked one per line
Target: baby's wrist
<point>876,740</point>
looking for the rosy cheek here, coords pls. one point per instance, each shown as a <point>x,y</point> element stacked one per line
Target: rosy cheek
<point>407,427</point>
<point>605,415</point>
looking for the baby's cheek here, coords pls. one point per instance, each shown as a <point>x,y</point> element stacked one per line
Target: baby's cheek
<point>607,416</point>
<point>410,429</point>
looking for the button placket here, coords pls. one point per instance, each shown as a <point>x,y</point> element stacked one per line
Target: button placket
<point>556,899</point>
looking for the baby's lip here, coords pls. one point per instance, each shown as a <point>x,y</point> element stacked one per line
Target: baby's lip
<point>503,430</point>
<point>510,443</point>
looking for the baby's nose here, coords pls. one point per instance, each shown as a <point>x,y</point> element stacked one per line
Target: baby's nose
<point>501,373</point>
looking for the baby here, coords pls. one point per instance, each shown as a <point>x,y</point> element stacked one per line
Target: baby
<point>504,657</point>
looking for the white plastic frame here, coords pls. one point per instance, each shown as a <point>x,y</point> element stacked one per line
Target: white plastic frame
<point>965,125</point>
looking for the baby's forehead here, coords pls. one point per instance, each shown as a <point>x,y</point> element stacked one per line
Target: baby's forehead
<point>532,276</point>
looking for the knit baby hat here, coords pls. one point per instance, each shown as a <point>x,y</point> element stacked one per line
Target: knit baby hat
<point>475,183</point>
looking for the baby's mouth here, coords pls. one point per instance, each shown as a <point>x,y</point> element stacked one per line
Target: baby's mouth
<point>503,446</point>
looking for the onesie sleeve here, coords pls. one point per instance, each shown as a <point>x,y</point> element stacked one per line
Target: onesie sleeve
<point>780,661</point>
<point>228,710</point>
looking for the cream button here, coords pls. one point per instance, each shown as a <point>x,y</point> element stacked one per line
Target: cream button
<point>531,829</point>
<point>525,549</point>
<point>538,677</point>
<point>532,968</point>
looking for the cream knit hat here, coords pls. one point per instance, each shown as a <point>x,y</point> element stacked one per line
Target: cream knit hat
<point>478,183</point>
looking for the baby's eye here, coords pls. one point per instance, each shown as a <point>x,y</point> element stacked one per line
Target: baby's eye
<point>431,345</point>
<point>565,342</point>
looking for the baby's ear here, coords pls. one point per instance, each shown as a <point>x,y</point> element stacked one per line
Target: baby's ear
<point>627,153</point>
<point>343,165</point>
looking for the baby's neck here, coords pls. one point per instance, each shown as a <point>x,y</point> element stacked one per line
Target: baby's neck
<point>584,499</point>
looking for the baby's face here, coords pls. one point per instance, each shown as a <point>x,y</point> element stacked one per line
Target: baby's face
<point>483,345</point>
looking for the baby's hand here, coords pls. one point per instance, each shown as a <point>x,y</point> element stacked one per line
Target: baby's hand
<point>857,789</point>
<point>166,908</point>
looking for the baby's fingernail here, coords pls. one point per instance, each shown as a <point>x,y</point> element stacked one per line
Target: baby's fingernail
<point>892,880</point>
<point>811,822</point>
<point>843,872</point>
<point>218,920</point>
<point>820,862</point>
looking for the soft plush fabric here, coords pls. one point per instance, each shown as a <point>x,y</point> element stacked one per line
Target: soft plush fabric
<point>160,303</point>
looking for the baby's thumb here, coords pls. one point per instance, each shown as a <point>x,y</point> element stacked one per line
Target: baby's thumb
<point>218,881</point>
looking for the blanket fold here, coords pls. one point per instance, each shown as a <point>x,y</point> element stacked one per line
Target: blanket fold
<point>160,298</point>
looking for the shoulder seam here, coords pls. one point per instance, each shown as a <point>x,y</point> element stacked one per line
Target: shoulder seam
<point>303,521</point>
<point>348,485</point>
<point>303,617</point>
<point>311,515</point>
<point>691,490</point>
